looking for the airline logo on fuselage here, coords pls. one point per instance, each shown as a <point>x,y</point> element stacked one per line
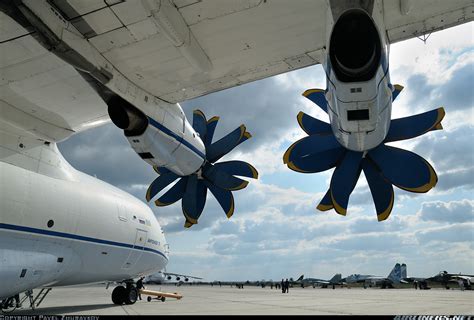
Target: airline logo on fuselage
<point>156,243</point>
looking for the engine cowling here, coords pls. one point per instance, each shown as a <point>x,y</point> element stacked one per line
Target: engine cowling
<point>127,117</point>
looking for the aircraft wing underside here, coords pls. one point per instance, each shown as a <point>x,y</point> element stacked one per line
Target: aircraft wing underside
<point>177,51</point>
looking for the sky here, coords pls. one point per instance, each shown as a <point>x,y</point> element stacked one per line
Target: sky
<point>276,231</point>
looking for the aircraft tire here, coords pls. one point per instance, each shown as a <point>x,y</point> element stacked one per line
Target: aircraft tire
<point>131,295</point>
<point>148,299</point>
<point>118,295</point>
<point>163,299</point>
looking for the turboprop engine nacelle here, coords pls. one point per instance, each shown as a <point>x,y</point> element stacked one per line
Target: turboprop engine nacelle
<point>169,142</point>
<point>359,93</point>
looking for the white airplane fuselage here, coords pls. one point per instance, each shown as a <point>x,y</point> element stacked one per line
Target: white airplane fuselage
<point>59,226</point>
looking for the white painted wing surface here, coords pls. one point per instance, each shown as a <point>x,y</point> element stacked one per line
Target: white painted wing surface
<point>178,50</point>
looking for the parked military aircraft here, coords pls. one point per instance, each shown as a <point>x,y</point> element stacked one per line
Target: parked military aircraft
<point>393,277</point>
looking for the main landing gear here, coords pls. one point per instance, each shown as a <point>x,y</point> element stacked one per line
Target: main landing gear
<point>127,294</point>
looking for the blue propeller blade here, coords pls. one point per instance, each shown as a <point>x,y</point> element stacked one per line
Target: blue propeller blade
<point>318,162</point>
<point>211,127</point>
<point>397,89</point>
<point>312,126</point>
<point>194,199</point>
<point>318,97</point>
<point>344,180</point>
<point>224,197</point>
<point>381,189</point>
<point>404,169</point>
<point>414,126</point>
<point>222,179</point>
<point>173,194</point>
<point>200,123</point>
<point>160,183</point>
<point>223,146</point>
<point>310,145</point>
<point>326,202</point>
<point>237,168</point>
<point>160,170</point>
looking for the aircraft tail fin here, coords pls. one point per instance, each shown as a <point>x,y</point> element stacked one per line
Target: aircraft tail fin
<point>337,278</point>
<point>404,274</point>
<point>300,278</point>
<point>396,273</point>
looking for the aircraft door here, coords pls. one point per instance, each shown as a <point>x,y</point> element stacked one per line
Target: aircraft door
<point>136,252</point>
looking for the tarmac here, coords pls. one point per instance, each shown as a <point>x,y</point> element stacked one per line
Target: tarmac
<point>215,300</point>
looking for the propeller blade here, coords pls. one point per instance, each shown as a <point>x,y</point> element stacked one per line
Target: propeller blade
<point>396,91</point>
<point>404,169</point>
<point>211,127</point>
<point>326,202</point>
<point>414,126</point>
<point>237,168</point>
<point>318,162</point>
<point>223,146</point>
<point>160,170</point>
<point>174,194</point>
<point>200,123</point>
<point>381,189</point>
<point>194,199</point>
<point>222,179</point>
<point>224,197</point>
<point>160,183</point>
<point>310,145</point>
<point>344,180</point>
<point>318,97</point>
<point>312,125</point>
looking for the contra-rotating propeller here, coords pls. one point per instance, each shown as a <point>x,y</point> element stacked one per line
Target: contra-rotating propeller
<point>383,166</point>
<point>219,178</point>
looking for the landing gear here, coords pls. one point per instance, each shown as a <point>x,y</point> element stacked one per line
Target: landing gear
<point>118,295</point>
<point>127,295</point>
<point>132,295</point>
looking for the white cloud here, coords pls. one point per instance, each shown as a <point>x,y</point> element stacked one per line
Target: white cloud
<point>449,212</point>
